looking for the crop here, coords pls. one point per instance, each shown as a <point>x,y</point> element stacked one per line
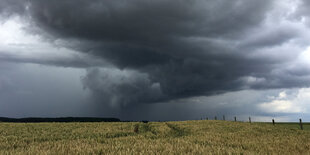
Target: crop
<point>184,137</point>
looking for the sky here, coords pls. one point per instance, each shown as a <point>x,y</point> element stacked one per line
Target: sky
<point>155,59</point>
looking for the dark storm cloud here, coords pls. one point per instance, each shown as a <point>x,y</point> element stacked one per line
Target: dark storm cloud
<point>140,20</point>
<point>168,50</point>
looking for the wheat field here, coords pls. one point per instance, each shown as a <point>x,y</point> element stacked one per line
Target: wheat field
<point>184,137</point>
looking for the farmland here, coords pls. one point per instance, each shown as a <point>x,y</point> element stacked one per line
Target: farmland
<point>184,137</point>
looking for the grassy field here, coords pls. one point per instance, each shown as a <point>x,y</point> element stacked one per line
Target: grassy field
<point>186,137</point>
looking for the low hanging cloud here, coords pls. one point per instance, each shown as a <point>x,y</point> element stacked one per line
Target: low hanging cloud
<point>121,87</point>
<point>164,50</point>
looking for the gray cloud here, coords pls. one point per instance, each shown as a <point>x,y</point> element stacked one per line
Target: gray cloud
<point>8,8</point>
<point>302,12</point>
<point>70,59</point>
<point>166,50</point>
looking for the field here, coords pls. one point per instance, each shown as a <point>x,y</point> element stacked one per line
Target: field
<point>186,137</point>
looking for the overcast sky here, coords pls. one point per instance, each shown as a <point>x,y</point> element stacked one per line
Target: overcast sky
<point>155,59</point>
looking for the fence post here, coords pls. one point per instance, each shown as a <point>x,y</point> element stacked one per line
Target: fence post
<point>273,122</point>
<point>215,118</point>
<point>250,119</point>
<point>235,119</point>
<point>224,117</point>
<point>300,123</point>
